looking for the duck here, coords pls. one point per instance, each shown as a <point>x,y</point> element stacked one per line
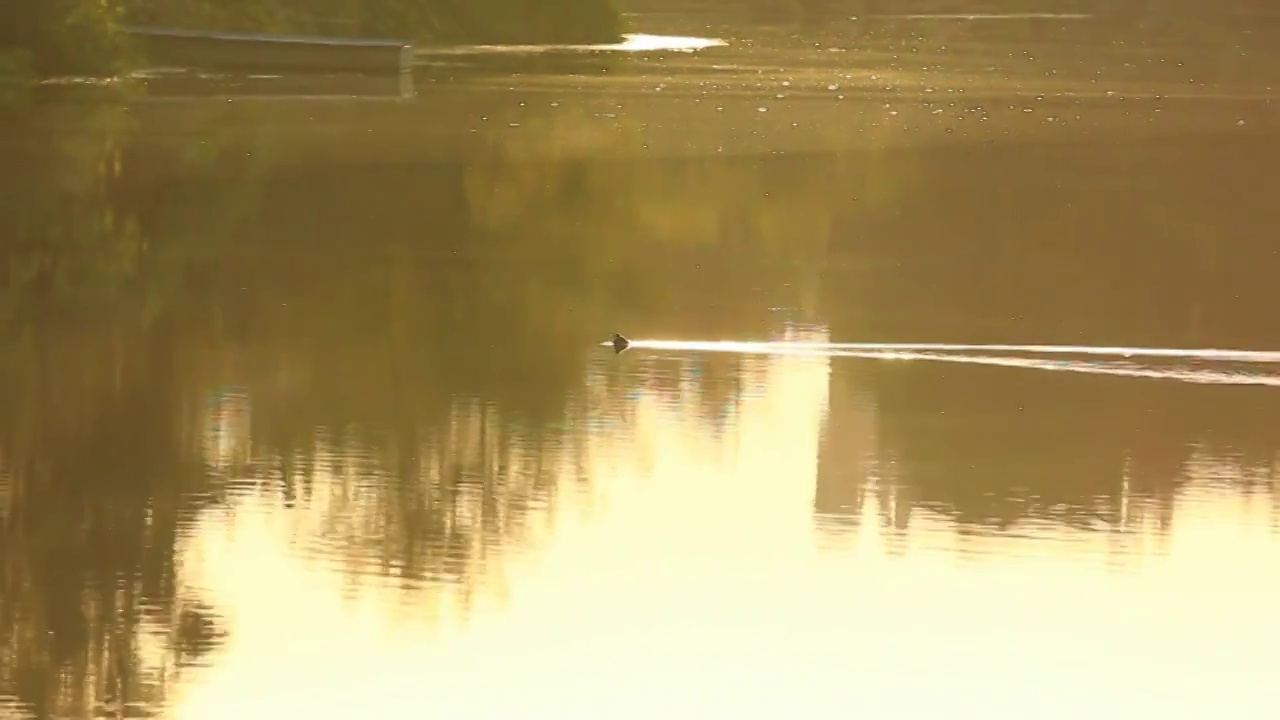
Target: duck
<point>620,343</point>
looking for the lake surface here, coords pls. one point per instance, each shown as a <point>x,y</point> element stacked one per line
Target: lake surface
<point>304,410</point>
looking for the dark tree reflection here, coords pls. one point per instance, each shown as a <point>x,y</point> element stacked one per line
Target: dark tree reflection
<point>1145,244</point>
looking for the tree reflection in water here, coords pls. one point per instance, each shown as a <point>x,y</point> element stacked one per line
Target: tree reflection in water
<point>400,356</point>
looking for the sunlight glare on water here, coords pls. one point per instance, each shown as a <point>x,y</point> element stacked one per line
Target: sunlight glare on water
<point>693,577</point>
<point>632,42</point>
<point>637,42</point>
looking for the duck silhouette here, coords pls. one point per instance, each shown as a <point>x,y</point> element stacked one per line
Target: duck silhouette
<point>620,343</point>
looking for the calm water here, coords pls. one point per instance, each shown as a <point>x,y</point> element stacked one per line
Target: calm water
<point>303,411</point>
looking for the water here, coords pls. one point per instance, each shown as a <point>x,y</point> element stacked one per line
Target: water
<point>956,353</point>
<point>304,410</point>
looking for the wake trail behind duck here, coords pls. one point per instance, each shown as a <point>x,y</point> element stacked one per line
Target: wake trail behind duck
<point>731,346</point>
<point>1117,360</point>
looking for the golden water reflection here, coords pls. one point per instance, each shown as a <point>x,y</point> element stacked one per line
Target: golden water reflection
<point>691,576</point>
<point>423,490</point>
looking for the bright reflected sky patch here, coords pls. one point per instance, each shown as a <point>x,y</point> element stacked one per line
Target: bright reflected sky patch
<point>989,16</point>
<point>632,42</point>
